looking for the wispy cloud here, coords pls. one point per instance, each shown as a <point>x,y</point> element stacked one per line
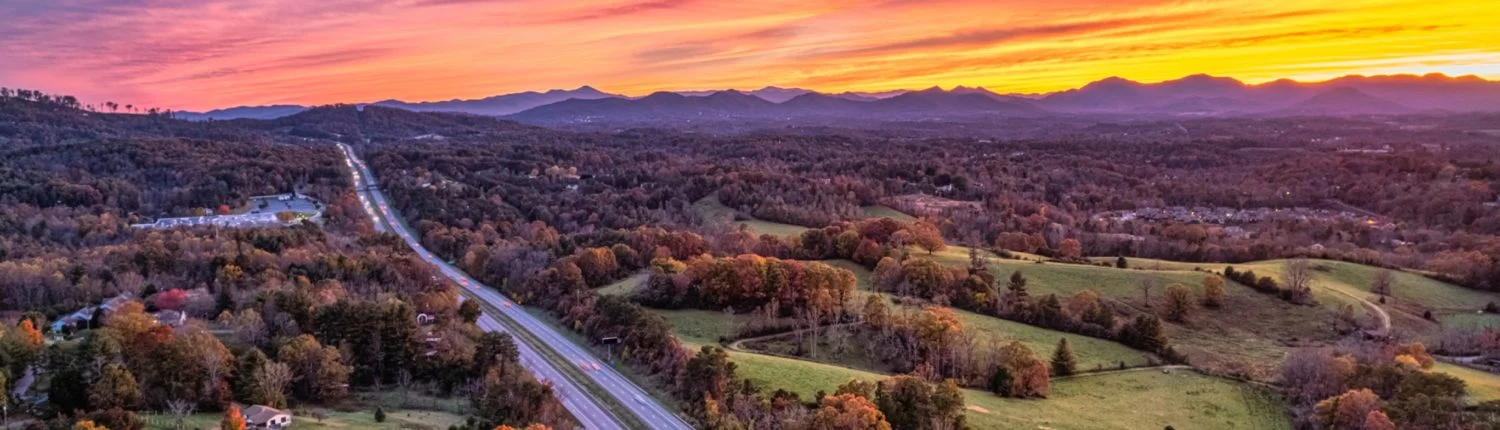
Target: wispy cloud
<point>201,54</point>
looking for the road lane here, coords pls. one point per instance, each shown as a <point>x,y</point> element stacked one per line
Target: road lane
<point>624,391</point>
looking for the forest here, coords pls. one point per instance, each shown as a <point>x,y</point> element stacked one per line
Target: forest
<point>554,218</point>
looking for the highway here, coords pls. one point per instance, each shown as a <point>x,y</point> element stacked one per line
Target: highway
<point>591,411</point>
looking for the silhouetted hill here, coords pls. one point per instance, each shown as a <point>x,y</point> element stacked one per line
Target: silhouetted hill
<point>1344,101</point>
<point>1203,94</point>
<point>665,106</point>
<point>242,112</point>
<point>504,104</point>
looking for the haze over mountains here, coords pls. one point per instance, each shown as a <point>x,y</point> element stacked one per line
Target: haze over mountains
<point>1196,95</point>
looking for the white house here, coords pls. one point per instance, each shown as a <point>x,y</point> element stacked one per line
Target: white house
<point>266,417</point>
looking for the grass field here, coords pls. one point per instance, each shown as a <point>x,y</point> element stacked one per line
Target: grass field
<point>1146,400</point>
<point>335,419</point>
<point>879,211</point>
<point>1249,335</point>
<point>1092,353</point>
<point>1470,320</point>
<point>1482,386</point>
<point>713,211</point>
<point>624,286</point>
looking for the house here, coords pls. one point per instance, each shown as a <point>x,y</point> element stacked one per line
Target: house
<point>266,417</point>
<point>171,318</point>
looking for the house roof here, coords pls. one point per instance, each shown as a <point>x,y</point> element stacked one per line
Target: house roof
<point>259,414</point>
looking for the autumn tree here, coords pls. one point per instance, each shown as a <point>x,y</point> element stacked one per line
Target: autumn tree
<point>1347,411</point>
<point>1029,376</point>
<point>116,388</point>
<point>927,236</point>
<point>1063,362</point>
<point>1070,249</point>
<point>318,373</point>
<point>234,419</point>
<point>909,402</point>
<point>1179,303</point>
<point>1213,291</point>
<point>847,411</point>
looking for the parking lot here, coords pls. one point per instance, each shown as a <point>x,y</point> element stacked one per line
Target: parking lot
<point>262,213</point>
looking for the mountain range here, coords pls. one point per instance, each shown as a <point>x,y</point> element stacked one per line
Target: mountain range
<point>1196,95</point>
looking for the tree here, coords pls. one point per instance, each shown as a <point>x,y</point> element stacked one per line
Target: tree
<point>1213,291</point>
<point>927,236</point>
<point>1121,263</point>
<point>1179,303</point>
<point>1070,249</point>
<point>1028,374</point>
<point>116,388</point>
<point>1383,283</point>
<point>1146,285</point>
<point>1377,420</point>
<point>180,409</point>
<point>233,419</point>
<point>1347,411</point>
<point>1016,289</point>
<point>1063,363</point>
<point>379,414</point>
<point>272,379</point>
<point>1296,280</point>
<point>317,370</point>
<point>1144,332</point>
<point>469,311</point>
<point>847,411</point>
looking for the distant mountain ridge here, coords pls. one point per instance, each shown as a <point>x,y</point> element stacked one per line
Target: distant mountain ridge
<point>731,104</point>
<point>1203,94</point>
<point>1191,95</point>
<point>504,104</point>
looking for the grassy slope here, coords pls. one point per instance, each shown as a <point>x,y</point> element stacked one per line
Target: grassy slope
<point>1185,400</point>
<point>623,286</point>
<point>1135,400</point>
<point>713,211</point>
<point>1250,334</point>
<point>1145,399</point>
<point>1091,352</point>
<point>1482,386</point>
<point>879,211</point>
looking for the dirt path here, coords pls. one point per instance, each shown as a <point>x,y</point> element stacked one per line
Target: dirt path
<point>739,345</point>
<point>1385,317</point>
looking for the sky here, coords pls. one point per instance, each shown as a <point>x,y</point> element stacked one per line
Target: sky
<point>199,54</point>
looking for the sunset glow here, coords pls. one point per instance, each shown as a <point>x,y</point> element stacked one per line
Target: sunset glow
<point>186,54</point>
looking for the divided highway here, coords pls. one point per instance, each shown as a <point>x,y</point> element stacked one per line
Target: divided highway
<point>544,351</point>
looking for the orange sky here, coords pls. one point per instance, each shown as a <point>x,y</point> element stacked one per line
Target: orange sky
<point>190,54</point>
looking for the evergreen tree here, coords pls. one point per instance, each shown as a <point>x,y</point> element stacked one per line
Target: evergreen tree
<point>379,414</point>
<point>1063,363</point>
<point>1120,262</point>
